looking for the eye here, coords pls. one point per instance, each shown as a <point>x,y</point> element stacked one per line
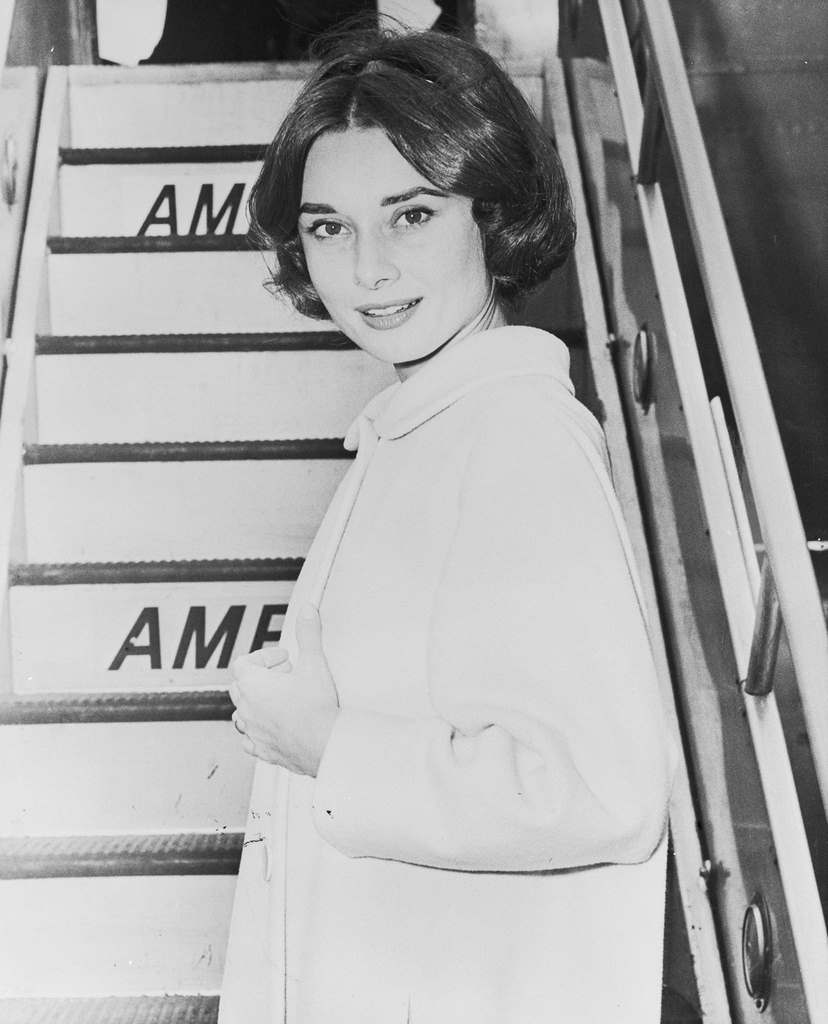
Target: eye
<point>323,229</point>
<point>415,217</point>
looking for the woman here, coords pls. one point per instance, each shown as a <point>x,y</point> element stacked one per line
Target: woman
<point>460,808</point>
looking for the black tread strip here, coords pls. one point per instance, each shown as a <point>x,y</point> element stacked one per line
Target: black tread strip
<point>186,451</point>
<point>121,344</point>
<point>199,853</point>
<point>219,570</point>
<point>167,1009</point>
<point>65,245</point>
<point>98,708</point>
<point>73,156</point>
<point>288,341</point>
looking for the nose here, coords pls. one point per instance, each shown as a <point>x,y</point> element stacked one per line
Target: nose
<point>373,263</point>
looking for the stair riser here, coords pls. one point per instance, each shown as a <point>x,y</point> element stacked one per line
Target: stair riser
<point>144,511</point>
<point>203,396</point>
<point>114,936</point>
<point>148,293</point>
<point>200,112</point>
<point>155,199</point>
<point>122,777</point>
<point>69,637</point>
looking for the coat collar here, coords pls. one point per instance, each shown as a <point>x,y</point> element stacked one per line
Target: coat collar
<point>476,360</point>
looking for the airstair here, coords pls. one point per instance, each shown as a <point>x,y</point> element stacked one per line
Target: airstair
<point>170,437</point>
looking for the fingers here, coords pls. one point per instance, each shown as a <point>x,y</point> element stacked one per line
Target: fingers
<point>239,724</point>
<point>270,657</point>
<point>309,630</point>
<point>266,657</point>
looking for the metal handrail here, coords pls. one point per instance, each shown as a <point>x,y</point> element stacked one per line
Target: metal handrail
<point>718,479</point>
<point>777,510</point>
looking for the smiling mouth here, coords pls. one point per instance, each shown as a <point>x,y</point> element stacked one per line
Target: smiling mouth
<point>383,318</point>
<point>383,311</point>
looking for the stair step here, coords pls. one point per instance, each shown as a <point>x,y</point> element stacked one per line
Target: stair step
<point>167,292</point>
<point>182,106</point>
<point>155,199</point>
<point>170,1009</point>
<point>189,853</point>
<point>100,708</point>
<point>112,777</point>
<point>124,935</point>
<point>196,507</point>
<point>142,627</point>
<point>231,395</point>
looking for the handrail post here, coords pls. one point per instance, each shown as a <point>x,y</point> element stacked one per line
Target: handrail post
<point>765,645</point>
<point>652,132</point>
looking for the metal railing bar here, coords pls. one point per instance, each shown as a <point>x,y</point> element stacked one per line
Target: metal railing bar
<point>701,930</point>
<point>799,883</point>
<point>770,480</point>
<point>796,869</point>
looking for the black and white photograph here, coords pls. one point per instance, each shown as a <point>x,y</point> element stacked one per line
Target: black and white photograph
<point>413,512</point>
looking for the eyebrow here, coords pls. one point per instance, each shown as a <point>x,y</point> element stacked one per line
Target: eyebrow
<point>403,197</point>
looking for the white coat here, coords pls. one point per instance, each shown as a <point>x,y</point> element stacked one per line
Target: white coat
<point>484,841</point>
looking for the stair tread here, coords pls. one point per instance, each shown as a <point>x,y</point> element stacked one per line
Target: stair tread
<point>185,451</point>
<point>239,153</point>
<point>189,853</point>
<point>93,708</point>
<point>71,245</point>
<point>168,571</point>
<point>118,344</point>
<point>166,1009</point>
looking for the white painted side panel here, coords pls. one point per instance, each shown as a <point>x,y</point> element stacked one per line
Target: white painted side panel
<point>151,293</point>
<point>196,113</point>
<point>18,124</point>
<point>139,511</point>
<point>69,637</point>
<point>203,395</point>
<point>117,200</point>
<point>123,777</point>
<point>114,936</point>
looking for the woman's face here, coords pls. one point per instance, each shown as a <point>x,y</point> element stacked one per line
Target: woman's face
<point>397,262</point>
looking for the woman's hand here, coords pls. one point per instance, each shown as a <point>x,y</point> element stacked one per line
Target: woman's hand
<point>286,712</point>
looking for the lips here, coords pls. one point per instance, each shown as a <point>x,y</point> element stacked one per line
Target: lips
<point>388,315</point>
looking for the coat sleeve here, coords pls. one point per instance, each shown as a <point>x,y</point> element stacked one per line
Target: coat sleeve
<point>547,747</point>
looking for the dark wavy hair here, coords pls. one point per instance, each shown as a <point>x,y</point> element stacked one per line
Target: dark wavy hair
<point>455,115</point>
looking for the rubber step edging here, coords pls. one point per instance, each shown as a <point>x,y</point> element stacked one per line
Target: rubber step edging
<point>166,1009</point>
<point>218,570</point>
<point>186,451</point>
<point>86,245</point>
<point>73,156</point>
<point>138,344</point>
<point>116,707</point>
<point>109,856</point>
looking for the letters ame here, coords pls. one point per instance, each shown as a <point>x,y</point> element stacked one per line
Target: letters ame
<point>164,211</point>
<point>195,634</point>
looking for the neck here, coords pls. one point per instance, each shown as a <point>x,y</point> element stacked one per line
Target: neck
<point>490,315</point>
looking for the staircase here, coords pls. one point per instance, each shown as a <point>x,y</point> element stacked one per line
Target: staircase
<point>169,440</point>
<point>170,435</point>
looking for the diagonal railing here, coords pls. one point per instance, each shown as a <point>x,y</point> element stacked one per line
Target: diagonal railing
<point>668,104</point>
